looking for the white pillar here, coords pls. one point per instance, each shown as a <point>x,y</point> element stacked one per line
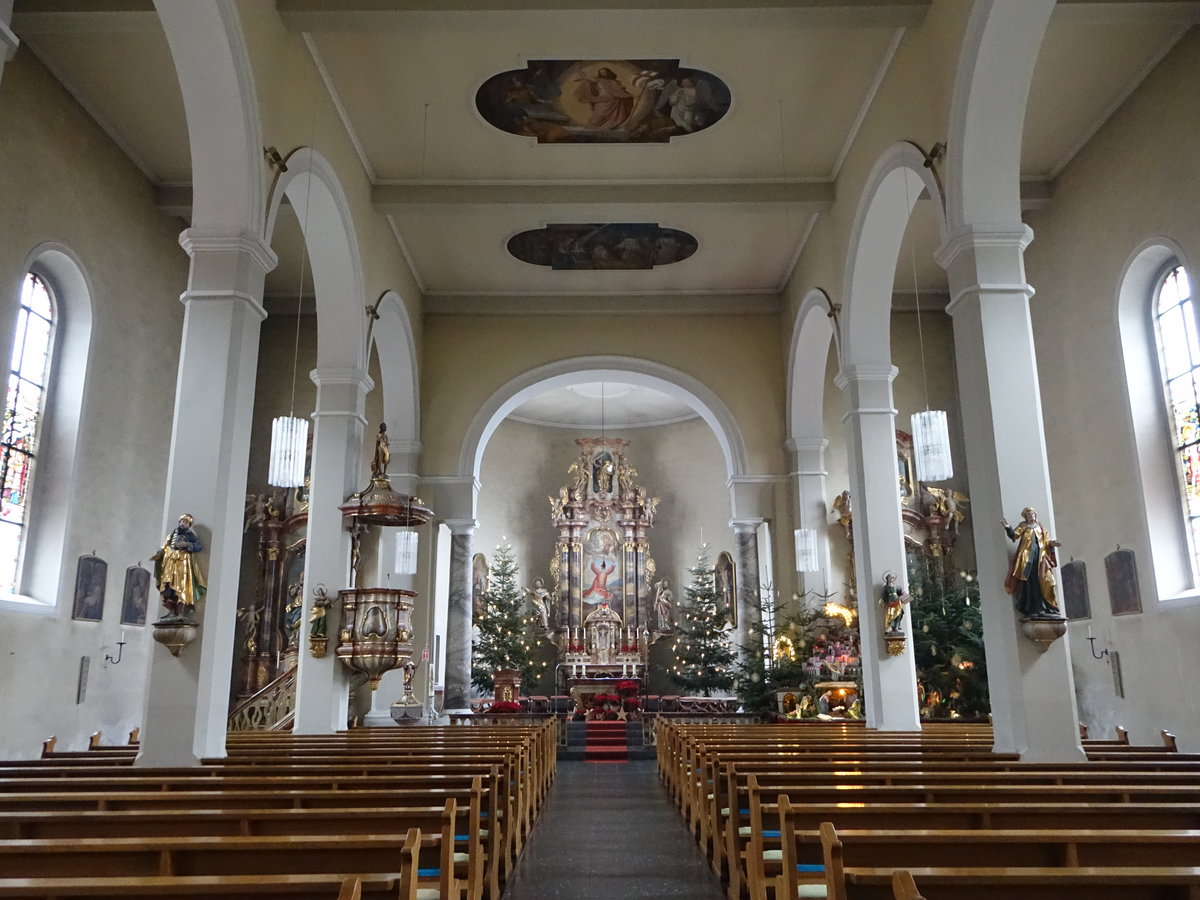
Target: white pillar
<point>812,511</point>
<point>1032,693</point>
<point>187,697</point>
<point>458,621</point>
<point>890,682</point>
<point>338,465</point>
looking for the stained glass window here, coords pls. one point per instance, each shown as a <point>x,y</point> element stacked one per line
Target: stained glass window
<point>23,409</point>
<point>1179,354</point>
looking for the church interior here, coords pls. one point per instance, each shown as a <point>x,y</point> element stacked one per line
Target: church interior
<point>816,373</point>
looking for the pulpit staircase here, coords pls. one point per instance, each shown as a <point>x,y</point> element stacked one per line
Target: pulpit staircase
<point>273,708</point>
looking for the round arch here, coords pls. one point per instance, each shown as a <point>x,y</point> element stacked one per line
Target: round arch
<point>397,350</point>
<point>987,112</point>
<point>314,192</point>
<point>895,184</point>
<point>564,373</point>
<point>812,335</point>
<point>216,80</point>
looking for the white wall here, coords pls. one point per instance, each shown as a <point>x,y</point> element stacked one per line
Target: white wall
<point>63,180</point>
<point>1137,178</point>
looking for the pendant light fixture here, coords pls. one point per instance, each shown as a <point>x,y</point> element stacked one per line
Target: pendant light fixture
<point>289,434</point>
<point>930,431</point>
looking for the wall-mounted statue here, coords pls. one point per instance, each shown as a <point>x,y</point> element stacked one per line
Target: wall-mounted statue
<point>179,580</point>
<point>1031,577</point>
<point>664,602</point>
<point>540,598</point>
<point>894,599</point>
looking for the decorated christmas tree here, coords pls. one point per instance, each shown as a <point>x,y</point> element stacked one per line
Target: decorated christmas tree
<point>948,643</point>
<point>506,629</point>
<point>704,657</point>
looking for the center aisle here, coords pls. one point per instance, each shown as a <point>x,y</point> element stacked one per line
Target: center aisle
<point>609,832</point>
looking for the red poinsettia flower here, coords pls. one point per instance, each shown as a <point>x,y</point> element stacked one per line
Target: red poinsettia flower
<point>505,706</point>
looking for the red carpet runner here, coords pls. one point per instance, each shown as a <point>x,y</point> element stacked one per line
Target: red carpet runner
<point>606,742</point>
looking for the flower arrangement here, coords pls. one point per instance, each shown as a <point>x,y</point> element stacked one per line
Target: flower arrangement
<point>628,686</point>
<point>504,706</point>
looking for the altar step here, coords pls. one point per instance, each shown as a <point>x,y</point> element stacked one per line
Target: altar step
<point>604,742</point>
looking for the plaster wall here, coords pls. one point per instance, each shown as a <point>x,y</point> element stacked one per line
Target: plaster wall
<point>65,181</point>
<point>1135,179</point>
<point>681,463</point>
<point>468,358</point>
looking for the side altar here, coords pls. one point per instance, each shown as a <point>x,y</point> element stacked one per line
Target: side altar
<point>602,568</point>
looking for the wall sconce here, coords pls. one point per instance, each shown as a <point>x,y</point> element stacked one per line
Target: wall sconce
<point>1092,643</point>
<point>108,658</point>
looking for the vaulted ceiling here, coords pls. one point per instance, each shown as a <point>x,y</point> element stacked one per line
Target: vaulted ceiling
<point>404,75</point>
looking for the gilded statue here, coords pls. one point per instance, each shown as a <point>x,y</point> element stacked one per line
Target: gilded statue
<point>1030,579</point>
<point>383,454</point>
<point>841,506</point>
<point>894,599</point>
<point>316,619</point>
<point>176,573</point>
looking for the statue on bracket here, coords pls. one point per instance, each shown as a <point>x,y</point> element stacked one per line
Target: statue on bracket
<point>895,598</point>
<point>1030,579</point>
<point>178,576</point>
<point>540,598</point>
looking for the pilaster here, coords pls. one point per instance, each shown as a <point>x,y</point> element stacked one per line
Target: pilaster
<point>746,550</point>
<point>889,682</point>
<point>1032,693</point>
<point>809,484</point>
<point>458,618</point>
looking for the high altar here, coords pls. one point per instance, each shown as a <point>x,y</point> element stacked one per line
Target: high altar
<point>601,566</point>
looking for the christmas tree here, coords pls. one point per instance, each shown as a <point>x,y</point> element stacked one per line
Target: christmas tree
<point>506,631</point>
<point>948,645</point>
<point>704,658</point>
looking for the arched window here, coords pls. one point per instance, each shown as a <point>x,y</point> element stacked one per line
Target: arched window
<point>25,403</point>
<point>1175,325</point>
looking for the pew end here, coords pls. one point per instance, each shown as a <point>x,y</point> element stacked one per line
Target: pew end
<point>1169,741</point>
<point>1083,736</point>
<point>351,889</point>
<point>903,886</point>
<point>1122,734</point>
<point>135,736</point>
<point>94,740</point>
<point>48,745</point>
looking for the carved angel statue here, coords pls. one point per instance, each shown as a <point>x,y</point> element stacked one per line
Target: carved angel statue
<point>841,506</point>
<point>258,510</point>
<point>625,475</point>
<point>944,502</point>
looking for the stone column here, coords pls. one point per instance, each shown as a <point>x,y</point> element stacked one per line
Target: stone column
<point>187,697</point>
<point>745,542</point>
<point>458,620</point>
<point>1032,693</point>
<point>812,510</point>
<point>338,470</point>
<point>889,682</point>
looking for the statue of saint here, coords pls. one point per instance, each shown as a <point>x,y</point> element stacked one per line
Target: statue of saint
<point>316,619</point>
<point>540,598</point>
<point>293,612</point>
<point>663,603</point>
<point>1031,578</point>
<point>179,580</point>
<point>383,454</point>
<point>894,600</point>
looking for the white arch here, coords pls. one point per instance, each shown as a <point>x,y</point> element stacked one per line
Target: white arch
<point>393,339</point>
<point>316,195</point>
<point>54,476</point>
<point>220,101</point>
<point>892,190</point>
<point>808,359</point>
<point>1148,414</point>
<point>987,112</point>
<point>566,372</point>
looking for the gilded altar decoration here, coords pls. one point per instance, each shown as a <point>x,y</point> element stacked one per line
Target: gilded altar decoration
<point>588,101</point>
<point>318,636</point>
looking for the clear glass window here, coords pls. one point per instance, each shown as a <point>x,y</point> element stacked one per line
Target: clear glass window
<point>24,406</point>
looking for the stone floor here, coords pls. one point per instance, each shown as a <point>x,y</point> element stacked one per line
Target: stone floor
<point>608,831</point>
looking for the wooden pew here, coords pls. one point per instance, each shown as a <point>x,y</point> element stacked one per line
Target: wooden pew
<point>1105,883</point>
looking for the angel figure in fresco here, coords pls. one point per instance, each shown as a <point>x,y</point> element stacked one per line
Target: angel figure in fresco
<point>1031,578</point>
<point>178,576</point>
<point>691,101</point>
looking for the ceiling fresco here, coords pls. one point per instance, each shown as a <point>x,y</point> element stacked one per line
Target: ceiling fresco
<point>621,245</point>
<point>587,101</point>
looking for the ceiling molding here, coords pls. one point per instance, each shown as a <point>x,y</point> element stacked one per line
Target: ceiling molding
<point>795,260</point>
<point>559,304</point>
<point>852,134</point>
<point>609,427</point>
<point>1127,11</point>
<point>85,17</point>
<point>395,198</point>
<point>336,99</point>
<point>382,15</point>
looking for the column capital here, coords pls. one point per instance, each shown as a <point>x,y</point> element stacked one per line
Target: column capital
<point>745,526</point>
<point>452,497</point>
<point>251,302</point>
<point>197,242</point>
<point>860,373</point>
<point>461,527</point>
<point>1015,236</point>
<point>336,375</point>
<point>808,455</point>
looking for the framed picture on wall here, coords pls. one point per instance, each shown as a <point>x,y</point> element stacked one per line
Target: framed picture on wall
<point>91,576</point>
<point>725,575</point>
<point>1123,593</point>
<point>135,596</point>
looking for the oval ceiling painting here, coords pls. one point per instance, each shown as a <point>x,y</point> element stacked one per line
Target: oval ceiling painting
<point>624,245</point>
<point>589,101</point>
